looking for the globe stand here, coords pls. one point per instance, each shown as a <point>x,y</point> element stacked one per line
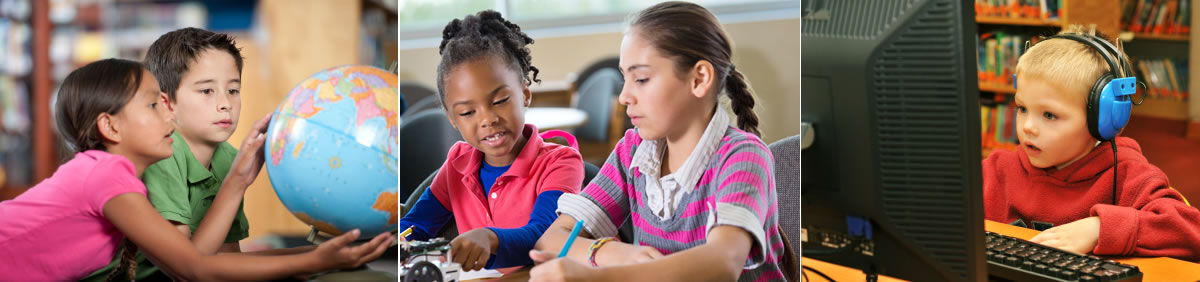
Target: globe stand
<point>362,273</point>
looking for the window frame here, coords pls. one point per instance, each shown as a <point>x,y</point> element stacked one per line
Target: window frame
<point>607,22</point>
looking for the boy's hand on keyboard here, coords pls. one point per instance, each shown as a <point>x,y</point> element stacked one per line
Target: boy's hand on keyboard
<point>1077,237</point>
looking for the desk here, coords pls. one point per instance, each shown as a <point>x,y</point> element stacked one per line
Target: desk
<point>546,118</point>
<point>510,274</point>
<point>1153,269</point>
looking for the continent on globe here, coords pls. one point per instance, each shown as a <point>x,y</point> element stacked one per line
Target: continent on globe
<point>332,150</point>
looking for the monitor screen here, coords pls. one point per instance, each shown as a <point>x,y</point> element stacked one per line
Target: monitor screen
<point>891,182</point>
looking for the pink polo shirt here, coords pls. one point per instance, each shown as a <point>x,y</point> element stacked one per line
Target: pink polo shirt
<point>538,168</point>
<point>57,231</point>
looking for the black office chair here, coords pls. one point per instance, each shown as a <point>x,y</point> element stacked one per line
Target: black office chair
<point>425,137</point>
<point>427,103</point>
<point>413,91</point>
<point>787,186</point>
<point>597,89</point>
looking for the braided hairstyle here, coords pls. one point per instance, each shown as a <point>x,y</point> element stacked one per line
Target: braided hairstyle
<point>484,34</point>
<point>128,261</point>
<point>689,33</point>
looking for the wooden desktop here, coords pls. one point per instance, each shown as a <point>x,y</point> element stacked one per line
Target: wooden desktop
<point>1153,268</point>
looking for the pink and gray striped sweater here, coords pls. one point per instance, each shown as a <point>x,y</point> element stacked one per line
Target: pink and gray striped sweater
<point>736,188</point>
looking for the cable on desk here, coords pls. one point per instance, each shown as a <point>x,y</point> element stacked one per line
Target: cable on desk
<point>805,267</point>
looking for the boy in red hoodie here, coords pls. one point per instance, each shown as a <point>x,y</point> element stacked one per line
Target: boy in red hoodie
<point>1061,179</point>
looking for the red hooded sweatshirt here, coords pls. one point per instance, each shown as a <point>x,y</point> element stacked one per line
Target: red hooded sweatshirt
<point>1150,218</point>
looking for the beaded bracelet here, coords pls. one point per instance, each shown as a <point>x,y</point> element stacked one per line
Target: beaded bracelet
<point>595,247</point>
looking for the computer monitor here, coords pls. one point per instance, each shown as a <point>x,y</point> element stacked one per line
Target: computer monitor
<point>891,182</point>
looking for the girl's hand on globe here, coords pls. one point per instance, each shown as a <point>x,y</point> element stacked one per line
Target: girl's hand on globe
<point>338,255</point>
<point>473,249</point>
<point>250,157</point>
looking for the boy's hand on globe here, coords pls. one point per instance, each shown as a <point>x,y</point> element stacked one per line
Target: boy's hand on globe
<point>336,254</point>
<point>1078,237</point>
<point>250,157</point>
<point>473,249</point>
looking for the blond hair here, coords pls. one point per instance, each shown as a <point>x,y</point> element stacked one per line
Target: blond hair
<point>1071,65</point>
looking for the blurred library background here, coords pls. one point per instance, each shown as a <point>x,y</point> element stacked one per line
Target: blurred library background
<point>283,42</point>
<point>1156,35</point>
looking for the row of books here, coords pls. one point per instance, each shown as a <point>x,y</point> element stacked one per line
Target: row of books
<point>1156,16</point>
<point>16,66</point>
<point>998,53</point>
<point>1038,9</point>
<point>1165,78</point>
<point>998,123</point>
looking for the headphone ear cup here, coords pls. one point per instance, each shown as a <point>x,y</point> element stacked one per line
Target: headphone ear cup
<point>1097,109</point>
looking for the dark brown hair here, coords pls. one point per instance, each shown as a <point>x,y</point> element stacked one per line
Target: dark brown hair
<point>103,86</point>
<point>486,33</point>
<point>169,56</point>
<point>689,33</point>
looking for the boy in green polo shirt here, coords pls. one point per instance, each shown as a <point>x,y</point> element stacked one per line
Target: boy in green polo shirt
<point>201,73</point>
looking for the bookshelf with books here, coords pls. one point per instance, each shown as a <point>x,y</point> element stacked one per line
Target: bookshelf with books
<point>17,134</point>
<point>1004,26</point>
<point>1156,34</point>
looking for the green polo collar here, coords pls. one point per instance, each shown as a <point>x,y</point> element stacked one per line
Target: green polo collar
<point>195,172</point>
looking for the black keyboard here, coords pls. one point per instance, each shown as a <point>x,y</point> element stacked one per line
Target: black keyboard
<point>1020,260</point>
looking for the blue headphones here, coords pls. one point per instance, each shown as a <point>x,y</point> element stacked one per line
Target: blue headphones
<point>1108,103</point>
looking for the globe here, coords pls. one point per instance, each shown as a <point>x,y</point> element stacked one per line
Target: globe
<point>332,150</point>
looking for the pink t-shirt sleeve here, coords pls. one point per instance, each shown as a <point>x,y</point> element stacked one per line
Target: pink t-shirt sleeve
<point>112,176</point>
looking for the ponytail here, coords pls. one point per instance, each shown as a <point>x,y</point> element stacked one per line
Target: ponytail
<point>741,100</point>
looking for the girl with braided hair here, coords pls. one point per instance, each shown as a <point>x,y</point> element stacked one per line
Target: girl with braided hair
<point>502,185</point>
<point>699,191</point>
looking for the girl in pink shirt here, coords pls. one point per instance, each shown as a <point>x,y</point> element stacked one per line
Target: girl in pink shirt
<point>112,114</point>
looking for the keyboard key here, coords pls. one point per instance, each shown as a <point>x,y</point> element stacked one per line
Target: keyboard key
<point>1027,253</point>
<point>1087,278</point>
<point>1013,261</point>
<point>1089,268</point>
<point>1069,275</point>
<point>1027,265</point>
<point>1075,266</point>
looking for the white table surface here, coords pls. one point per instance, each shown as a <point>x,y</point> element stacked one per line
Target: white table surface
<point>546,118</point>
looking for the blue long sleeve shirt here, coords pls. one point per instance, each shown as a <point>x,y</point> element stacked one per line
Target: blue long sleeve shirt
<point>428,216</point>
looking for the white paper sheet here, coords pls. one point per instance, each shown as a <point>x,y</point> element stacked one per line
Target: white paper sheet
<point>479,274</point>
